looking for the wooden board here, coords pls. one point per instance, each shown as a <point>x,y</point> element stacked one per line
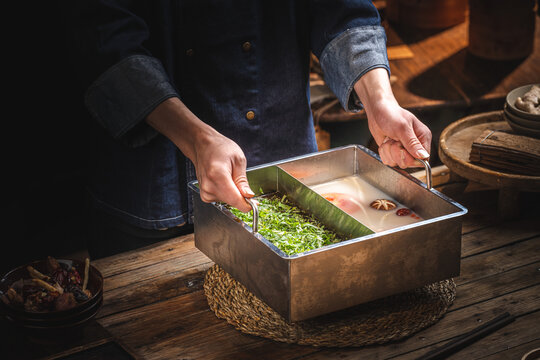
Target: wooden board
<point>455,145</point>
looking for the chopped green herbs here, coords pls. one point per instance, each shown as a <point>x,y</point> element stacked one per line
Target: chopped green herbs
<point>288,227</point>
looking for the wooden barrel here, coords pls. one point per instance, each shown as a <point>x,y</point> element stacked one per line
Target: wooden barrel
<point>501,29</point>
<point>426,14</point>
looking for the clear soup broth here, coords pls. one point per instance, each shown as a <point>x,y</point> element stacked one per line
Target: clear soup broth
<point>354,195</point>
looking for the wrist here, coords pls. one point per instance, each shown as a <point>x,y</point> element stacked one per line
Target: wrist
<point>175,121</point>
<point>374,90</point>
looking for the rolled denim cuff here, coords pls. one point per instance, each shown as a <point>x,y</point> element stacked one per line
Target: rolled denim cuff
<point>122,97</point>
<point>349,56</point>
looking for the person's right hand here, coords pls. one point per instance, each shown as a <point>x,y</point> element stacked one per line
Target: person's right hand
<point>219,162</point>
<point>220,165</point>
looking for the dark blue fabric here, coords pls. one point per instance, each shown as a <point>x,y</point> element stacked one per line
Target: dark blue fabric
<point>199,45</point>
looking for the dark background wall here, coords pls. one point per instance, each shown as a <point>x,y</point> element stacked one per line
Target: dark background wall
<point>47,138</point>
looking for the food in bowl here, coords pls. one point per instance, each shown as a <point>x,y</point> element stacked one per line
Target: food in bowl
<point>60,288</point>
<point>530,101</point>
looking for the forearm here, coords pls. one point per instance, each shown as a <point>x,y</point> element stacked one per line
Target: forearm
<point>374,90</point>
<point>219,162</point>
<point>174,120</point>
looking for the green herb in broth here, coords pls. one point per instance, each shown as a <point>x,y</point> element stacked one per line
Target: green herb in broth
<point>289,228</point>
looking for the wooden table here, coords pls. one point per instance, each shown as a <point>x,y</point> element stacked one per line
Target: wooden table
<point>155,305</point>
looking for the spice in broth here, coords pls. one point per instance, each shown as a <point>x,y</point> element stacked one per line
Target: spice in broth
<point>354,195</point>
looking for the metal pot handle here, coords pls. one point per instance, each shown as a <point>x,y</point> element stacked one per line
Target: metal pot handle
<point>255,209</point>
<point>428,173</point>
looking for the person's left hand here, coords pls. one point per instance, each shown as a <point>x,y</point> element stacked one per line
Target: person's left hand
<point>400,135</point>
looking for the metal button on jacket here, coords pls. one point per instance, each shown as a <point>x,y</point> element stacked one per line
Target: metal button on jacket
<point>246,46</point>
<point>250,115</point>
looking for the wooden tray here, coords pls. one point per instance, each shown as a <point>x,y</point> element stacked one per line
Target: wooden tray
<point>455,146</point>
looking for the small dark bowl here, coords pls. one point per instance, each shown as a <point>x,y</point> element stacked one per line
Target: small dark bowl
<point>521,129</point>
<point>531,124</point>
<point>52,324</point>
<point>57,324</point>
<point>86,309</point>
<point>66,318</point>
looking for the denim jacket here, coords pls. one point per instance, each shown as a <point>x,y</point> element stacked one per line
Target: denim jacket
<point>241,66</point>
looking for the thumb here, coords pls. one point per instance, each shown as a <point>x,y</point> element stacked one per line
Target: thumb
<point>412,144</point>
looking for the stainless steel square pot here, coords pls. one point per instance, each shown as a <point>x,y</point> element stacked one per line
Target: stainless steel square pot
<point>366,267</point>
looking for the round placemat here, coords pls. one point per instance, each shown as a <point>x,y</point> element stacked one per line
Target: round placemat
<point>377,322</point>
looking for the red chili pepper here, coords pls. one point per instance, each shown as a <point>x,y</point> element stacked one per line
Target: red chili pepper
<point>403,212</point>
<point>74,277</point>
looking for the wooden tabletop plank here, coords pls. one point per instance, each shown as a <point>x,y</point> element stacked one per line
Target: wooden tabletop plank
<point>499,260</point>
<point>512,336</point>
<point>496,285</point>
<point>182,325</point>
<point>147,256</point>
<point>150,291</point>
<point>190,258</point>
<point>162,319</point>
<point>219,342</point>
<point>496,236</point>
<point>515,352</point>
<point>472,222</point>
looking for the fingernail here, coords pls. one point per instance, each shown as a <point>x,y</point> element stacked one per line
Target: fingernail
<point>248,191</point>
<point>423,154</point>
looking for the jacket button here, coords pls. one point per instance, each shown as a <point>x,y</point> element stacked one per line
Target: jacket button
<point>246,46</point>
<point>250,115</point>
<point>190,52</point>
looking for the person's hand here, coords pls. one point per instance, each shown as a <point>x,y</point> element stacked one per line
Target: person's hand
<point>220,165</point>
<point>401,137</point>
<point>219,162</point>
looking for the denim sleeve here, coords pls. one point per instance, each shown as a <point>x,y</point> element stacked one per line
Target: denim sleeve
<point>349,56</point>
<point>122,97</point>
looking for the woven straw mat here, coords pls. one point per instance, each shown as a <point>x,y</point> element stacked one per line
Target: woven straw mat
<point>377,322</point>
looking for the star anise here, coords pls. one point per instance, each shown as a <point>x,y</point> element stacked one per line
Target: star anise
<point>383,204</point>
